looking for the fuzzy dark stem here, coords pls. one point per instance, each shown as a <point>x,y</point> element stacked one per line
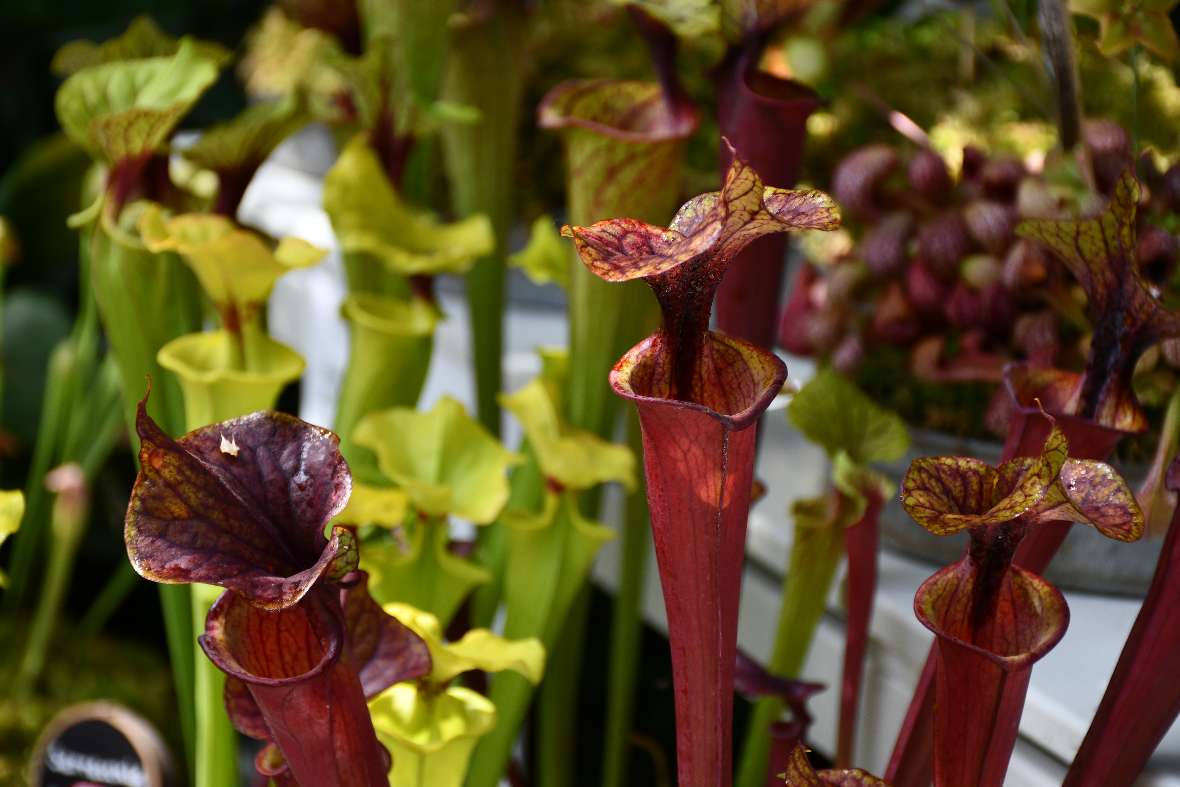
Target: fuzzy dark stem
<point>685,296</point>
<point>1106,366</point>
<point>1063,69</point>
<point>232,183</point>
<point>662,44</point>
<point>991,551</point>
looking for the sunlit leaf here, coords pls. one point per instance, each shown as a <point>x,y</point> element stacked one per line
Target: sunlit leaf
<point>371,218</point>
<point>443,459</point>
<point>125,109</point>
<point>375,505</point>
<point>575,458</point>
<point>544,259</point>
<point>431,737</point>
<point>478,649</point>
<point>416,566</point>
<point>143,38</point>
<point>236,266</point>
<point>12,509</point>
<point>832,411</point>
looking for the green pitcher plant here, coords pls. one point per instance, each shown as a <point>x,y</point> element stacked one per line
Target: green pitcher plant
<point>123,113</point>
<point>430,725</point>
<point>551,546</point>
<point>447,465</point>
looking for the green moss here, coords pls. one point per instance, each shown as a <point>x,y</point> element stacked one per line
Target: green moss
<point>79,671</point>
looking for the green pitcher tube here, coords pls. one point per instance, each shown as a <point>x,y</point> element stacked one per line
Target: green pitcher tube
<point>391,343</point>
<point>145,300</point>
<point>624,147</point>
<point>214,388</point>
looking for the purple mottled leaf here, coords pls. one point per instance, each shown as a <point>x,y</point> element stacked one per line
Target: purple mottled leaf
<point>1093,493</point>
<point>382,649</point>
<point>754,680</point>
<point>250,520</point>
<point>243,711</point>
<point>1126,316</point>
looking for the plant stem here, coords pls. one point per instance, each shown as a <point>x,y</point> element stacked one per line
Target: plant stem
<point>557,715</point>
<point>626,627</point>
<point>527,486</point>
<point>814,557</point>
<point>484,72</point>
<point>861,546</point>
<point>110,598</point>
<point>68,525</point>
<point>27,547</point>
<point>1136,87</point>
<point>216,742</point>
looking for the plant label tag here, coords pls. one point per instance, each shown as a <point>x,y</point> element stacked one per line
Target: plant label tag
<point>100,745</point>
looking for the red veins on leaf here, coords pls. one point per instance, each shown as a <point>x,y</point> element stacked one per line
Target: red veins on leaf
<point>1126,316</point>
<point>684,263</point>
<point>993,620</point>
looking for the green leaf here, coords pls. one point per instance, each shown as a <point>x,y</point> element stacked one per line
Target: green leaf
<point>142,39</point>
<point>545,258</point>
<point>369,217</point>
<point>430,737</point>
<point>831,411</point>
<point>857,482</point>
<point>430,726</point>
<point>417,36</point>
<point>479,649</point>
<point>742,20</point>
<point>549,557</point>
<point>575,458</point>
<point>417,567</point>
<point>249,138</point>
<point>687,18</point>
<point>374,505</point>
<point>12,509</point>
<point>121,110</point>
<point>443,459</point>
<point>1123,25</point>
<point>283,57</point>
<point>236,267</point>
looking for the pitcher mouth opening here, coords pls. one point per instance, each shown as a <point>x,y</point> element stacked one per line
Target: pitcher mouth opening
<point>235,641</point>
<point>646,116</point>
<point>1053,617</point>
<point>739,379</point>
